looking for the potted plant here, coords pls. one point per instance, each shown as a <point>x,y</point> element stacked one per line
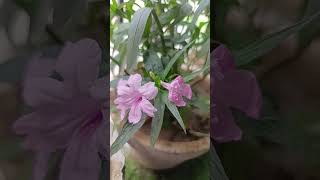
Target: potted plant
<point>160,89</point>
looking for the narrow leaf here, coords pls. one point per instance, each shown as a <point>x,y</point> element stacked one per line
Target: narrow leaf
<point>174,110</point>
<point>262,46</point>
<point>217,170</point>
<point>125,134</point>
<point>136,31</point>
<point>174,59</point>
<point>158,119</point>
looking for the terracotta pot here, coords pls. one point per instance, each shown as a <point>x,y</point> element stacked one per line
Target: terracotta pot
<point>165,154</point>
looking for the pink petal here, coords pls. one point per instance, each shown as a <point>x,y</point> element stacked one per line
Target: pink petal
<point>45,90</point>
<point>135,114</point>
<point>166,85</point>
<point>223,59</point>
<point>122,82</point>
<point>78,63</point>
<point>81,160</point>
<point>147,107</point>
<point>39,67</point>
<point>124,90</point>
<point>186,91</point>
<point>99,90</point>
<point>148,90</point>
<point>225,129</point>
<point>179,79</point>
<point>41,165</point>
<point>135,81</point>
<point>239,89</point>
<point>176,99</point>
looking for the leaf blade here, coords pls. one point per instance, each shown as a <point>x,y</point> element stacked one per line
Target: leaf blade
<point>158,119</point>
<point>264,45</point>
<point>136,31</point>
<point>174,59</point>
<point>217,170</point>
<point>174,110</point>
<point>125,134</point>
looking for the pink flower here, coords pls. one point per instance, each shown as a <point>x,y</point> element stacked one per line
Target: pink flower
<point>133,96</point>
<point>177,89</point>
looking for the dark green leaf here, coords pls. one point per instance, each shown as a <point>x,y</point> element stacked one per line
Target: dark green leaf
<point>136,31</point>
<point>153,63</point>
<point>260,47</point>
<point>184,10</point>
<point>174,110</point>
<point>125,134</point>
<point>158,118</point>
<point>217,170</point>
<point>307,33</point>
<point>174,59</point>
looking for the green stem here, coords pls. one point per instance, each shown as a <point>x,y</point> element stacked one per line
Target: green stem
<point>115,61</point>
<point>160,29</point>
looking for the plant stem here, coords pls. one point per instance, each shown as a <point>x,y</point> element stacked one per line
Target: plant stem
<point>115,61</point>
<point>54,35</point>
<point>160,29</point>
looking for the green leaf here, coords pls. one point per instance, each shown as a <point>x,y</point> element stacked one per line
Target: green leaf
<point>184,10</point>
<point>203,4</point>
<point>174,110</point>
<point>125,134</point>
<point>217,170</point>
<point>153,63</point>
<point>174,59</point>
<point>158,118</point>
<point>260,47</point>
<point>136,31</point>
<point>307,34</point>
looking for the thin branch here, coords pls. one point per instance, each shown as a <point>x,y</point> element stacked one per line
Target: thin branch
<point>160,29</point>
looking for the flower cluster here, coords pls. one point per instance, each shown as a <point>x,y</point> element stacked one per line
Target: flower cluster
<point>136,98</point>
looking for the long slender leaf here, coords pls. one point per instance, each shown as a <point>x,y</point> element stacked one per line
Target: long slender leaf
<point>217,170</point>
<point>174,110</point>
<point>308,32</point>
<point>158,119</point>
<point>125,134</point>
<point>174,59</point>
<point>264,45</point>
<point>136,31</point>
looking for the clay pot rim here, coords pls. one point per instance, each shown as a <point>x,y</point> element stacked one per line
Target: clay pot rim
<point>175,147</point>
